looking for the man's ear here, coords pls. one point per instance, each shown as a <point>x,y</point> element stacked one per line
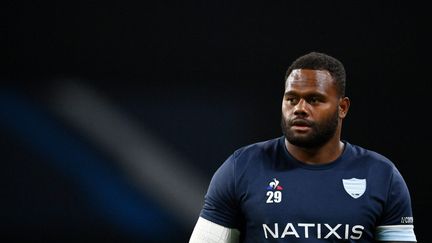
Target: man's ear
<point>344,104</point>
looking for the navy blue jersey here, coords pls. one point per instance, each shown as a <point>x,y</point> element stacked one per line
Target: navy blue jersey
<point>271,197</point>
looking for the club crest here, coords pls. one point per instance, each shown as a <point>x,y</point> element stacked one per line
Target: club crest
<point>354,187</point>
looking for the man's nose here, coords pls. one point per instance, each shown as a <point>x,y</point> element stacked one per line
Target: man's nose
<point>300,108</point>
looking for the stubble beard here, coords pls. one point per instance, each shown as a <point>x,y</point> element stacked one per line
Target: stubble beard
<point>320,133</point>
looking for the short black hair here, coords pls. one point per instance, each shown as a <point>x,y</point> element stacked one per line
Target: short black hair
<point>321,61</point>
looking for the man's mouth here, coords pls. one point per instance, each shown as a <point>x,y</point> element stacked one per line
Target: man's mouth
<point>301,125</point>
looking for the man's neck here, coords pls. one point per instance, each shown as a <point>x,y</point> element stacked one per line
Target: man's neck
<point>325,154</point>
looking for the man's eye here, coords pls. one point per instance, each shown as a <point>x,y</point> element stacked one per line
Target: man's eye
<point>313,100</point>
<point>291,100</point>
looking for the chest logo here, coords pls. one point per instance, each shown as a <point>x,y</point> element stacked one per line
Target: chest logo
<point>274,192</point>
<point>354,187</point>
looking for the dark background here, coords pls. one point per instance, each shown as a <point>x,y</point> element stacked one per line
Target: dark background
<point>204,77</point>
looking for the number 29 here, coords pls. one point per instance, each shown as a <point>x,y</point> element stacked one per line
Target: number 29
<point>274,197</point>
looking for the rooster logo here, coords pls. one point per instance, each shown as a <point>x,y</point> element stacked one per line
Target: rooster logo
<point>274,185</point>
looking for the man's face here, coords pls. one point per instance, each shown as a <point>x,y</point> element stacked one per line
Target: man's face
<point>310,108</point>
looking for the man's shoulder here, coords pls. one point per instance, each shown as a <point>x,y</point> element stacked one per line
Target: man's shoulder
<point>369,155</point>
<point>258,147</point>
<point>263,144</point>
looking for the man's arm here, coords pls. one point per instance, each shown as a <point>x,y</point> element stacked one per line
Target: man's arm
<point>206,231</point>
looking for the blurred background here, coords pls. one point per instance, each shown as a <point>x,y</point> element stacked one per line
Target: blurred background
<point>114,115</point>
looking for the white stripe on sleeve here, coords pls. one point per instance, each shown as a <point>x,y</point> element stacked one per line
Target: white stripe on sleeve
<point>395,233</point>
<point>206,231</point>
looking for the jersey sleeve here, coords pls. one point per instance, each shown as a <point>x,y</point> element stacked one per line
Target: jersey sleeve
<point>397,222</point>
<point>220,204</point>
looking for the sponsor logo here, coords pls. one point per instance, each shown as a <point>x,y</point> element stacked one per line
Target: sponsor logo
<point>354,187</point>
<point>407,220</point>
<point>312,230</point>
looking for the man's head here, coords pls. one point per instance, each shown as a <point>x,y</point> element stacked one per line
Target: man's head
<point>321,61</point>
<point>314,101</point>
